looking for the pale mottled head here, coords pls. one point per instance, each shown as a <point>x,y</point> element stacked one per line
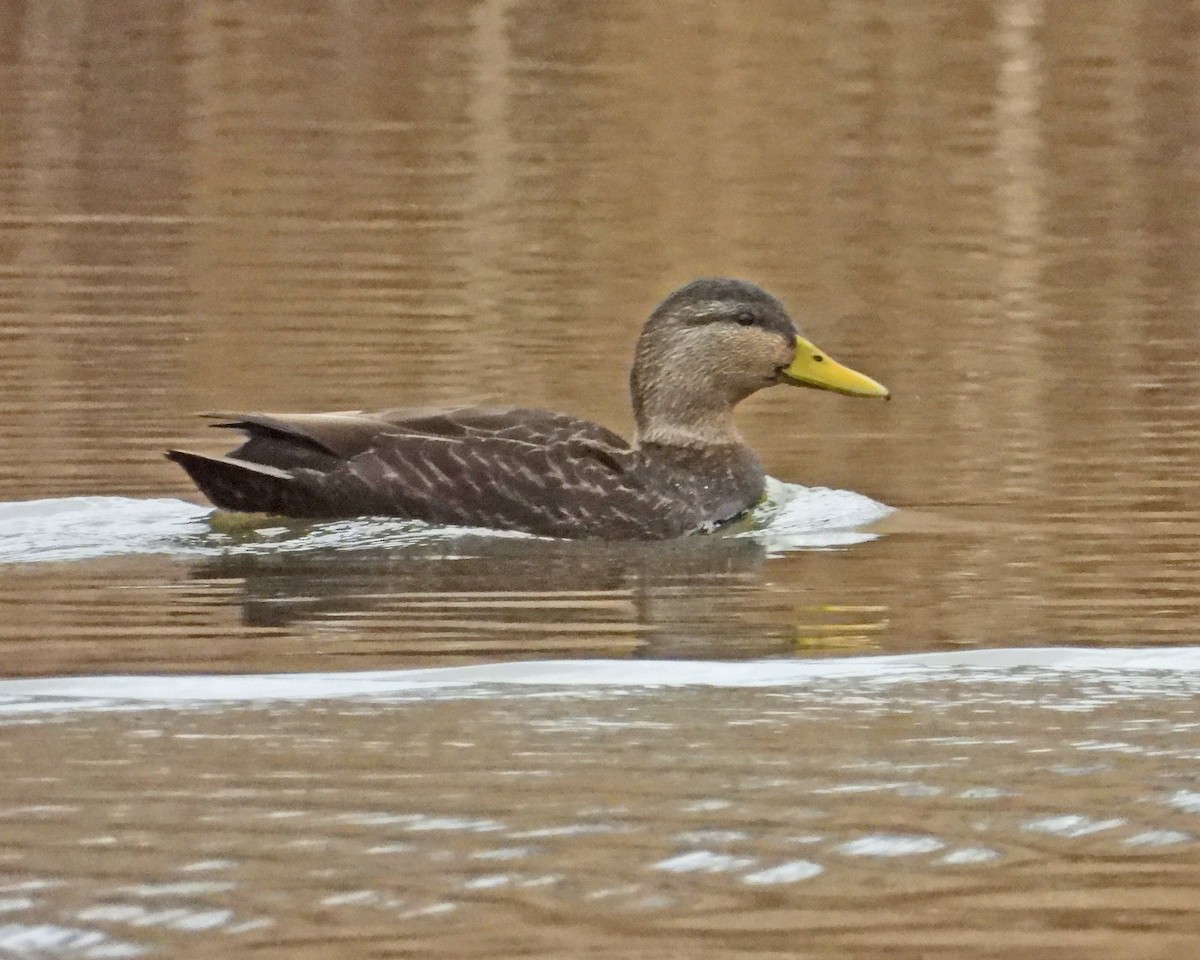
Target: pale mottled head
<point>710,345</point>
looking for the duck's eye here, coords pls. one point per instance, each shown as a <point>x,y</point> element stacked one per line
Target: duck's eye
<point>745,318</point>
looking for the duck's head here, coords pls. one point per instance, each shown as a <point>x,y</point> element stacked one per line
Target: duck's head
<point>710,345</point>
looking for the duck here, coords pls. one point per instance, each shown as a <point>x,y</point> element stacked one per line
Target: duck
<point>705,348</point>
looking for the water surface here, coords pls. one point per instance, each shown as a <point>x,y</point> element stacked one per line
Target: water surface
<point>993,208</point>
<point>1017,805</point>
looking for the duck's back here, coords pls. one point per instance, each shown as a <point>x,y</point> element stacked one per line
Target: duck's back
<point>504,468</point>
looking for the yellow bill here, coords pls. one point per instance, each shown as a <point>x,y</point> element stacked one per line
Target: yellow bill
<point>813,368</point>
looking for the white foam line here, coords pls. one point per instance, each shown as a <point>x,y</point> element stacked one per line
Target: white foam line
<point>56,694</point>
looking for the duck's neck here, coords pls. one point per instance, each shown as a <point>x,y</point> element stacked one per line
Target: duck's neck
<point>681,398</point>
<point>674,413</point>
<point>709,431</point>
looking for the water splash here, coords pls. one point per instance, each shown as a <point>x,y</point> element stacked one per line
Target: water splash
<point>791,517</point>
<point>80,528</point>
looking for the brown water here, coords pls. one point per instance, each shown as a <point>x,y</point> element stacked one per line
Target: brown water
<point>994,208</point>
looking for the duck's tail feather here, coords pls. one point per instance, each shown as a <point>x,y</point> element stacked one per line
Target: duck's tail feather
<point>233,484</point>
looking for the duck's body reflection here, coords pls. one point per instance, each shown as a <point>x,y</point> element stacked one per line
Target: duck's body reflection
<point>488,596</point>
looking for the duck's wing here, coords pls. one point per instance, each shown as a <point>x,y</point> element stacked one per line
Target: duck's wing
<point>518,469</point>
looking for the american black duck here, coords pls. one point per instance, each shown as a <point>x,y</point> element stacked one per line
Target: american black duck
<point>705,348</point>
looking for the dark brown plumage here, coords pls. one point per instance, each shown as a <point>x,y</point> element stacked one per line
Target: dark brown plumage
<point>705,348</point>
